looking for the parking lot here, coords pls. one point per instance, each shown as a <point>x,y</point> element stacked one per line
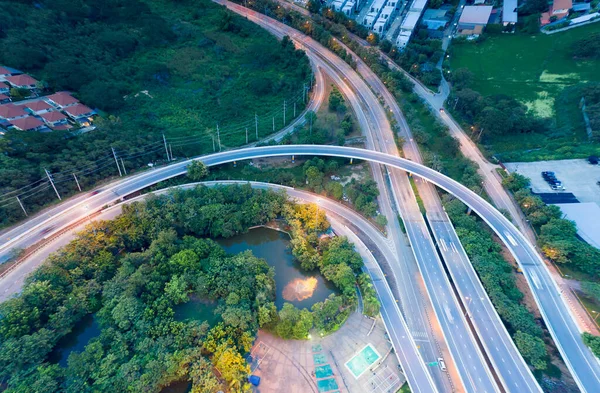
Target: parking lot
<point>577,176</point>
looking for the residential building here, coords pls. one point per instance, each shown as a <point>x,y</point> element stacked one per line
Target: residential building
<point>22,81</point>
<point>5,72</point>
<point>56,120</point>
<point>509,12</point>
<point>435,19</point>
<point>80,113</point>
<point>581,7</point>
<point>559,9</point>
<point>61,100</point>
<point>28,123</point>
<point>11,111</point>
<point>407,28</point>
<point>474,19</point>
<point>36,107</point>
<point>4,98</point>
<point>4,88</point>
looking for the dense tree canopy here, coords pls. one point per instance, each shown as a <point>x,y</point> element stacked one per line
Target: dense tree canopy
<point>151,67</point>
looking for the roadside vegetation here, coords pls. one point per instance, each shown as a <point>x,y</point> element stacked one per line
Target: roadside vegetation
<point>151,67</point>
<point>557,237</point>
<point>558,240</point>
<point>498,279</point>
<point>132,271</point>
<point>521,93</point>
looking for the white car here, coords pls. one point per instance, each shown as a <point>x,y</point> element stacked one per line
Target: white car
<point>441,364</point>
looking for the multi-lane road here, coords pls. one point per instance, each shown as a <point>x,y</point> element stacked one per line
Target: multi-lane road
<point>562,327</point>
<point>450,316</point>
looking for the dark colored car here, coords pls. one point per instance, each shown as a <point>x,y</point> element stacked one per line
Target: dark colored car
<point>593,160</point>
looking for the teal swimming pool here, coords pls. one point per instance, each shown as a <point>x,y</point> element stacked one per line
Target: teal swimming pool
<point>361,362</point>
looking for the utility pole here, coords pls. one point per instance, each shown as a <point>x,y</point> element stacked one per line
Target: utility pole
<point>171,151</point>
<point>53,186</point>
<point>219,137</point>
<point>246,135</point>
<point>77,181</point>
<point>304,92</point>
<point>284,104</point>
<point>123,165</point>
<point>117,162</point>
<point>213,139</point>
<point>256,124</point>
<point>479,136</point>
<point>166,149</point>
<point>22,207</point>
<point>273,123</point>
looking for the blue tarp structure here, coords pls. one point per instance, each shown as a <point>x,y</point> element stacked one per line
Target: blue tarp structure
<point>254,380</point>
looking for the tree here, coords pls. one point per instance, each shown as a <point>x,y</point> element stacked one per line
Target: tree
<point>336,101</point>
<point>314,179</point>
<point>385,46</point>
<point>515,181</point>
<point>593,342</point>
<point>314,6</point>
<point>533,350</point>
<point>380,219</point>
<point>293,323</point>
<point>197,171</point>
<point>232,366</point>
<point>342,276</point>
<point>334,190</point>
<point>461,78</point>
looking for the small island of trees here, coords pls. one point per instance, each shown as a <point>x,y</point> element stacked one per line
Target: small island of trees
<point>133,271</point>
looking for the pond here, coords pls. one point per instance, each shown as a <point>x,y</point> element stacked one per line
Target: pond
<point>197,309</point>
<point>80,336</point>
<point>302,289</point>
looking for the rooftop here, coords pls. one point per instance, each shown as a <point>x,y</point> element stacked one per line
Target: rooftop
<point>63,98</point>
<point>53,116</point>
<point>4,71</point>
<point>78,110</point>
<point>21,80</point>
<point>478,15</point>
<point>3,97</point>
<point>562,4</point>
<point>509,11</point>
<point>9,111</point>
<point>37,105</point>
<point>27,123</point>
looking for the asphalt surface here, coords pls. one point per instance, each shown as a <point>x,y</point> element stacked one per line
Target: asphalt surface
<point>562,327</point>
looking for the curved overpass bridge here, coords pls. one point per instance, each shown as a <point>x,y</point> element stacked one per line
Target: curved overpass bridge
<point>565,332</point>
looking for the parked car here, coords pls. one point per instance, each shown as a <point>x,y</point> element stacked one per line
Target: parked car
<point>593,160</point>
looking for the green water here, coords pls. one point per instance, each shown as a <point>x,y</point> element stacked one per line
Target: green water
<point>323,371</point>
<point>197,309</point>
<point>326,385</point>
<point>82,333</point>
<point>273,246</point>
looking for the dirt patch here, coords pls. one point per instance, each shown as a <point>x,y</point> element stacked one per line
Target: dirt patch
<point>279,162</point>
<point>528,300</point>
<point>357,173</point>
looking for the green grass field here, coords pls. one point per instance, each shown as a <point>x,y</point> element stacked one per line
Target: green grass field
<point>533,69</point>
<point>540,72</point>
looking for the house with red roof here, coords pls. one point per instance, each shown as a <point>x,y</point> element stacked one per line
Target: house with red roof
<point>61,100</point>
<point>36,107</point>
<point>28,123</point>
<point>81,114</point>
<point>11,111</point>
<point>4,72</point>
<point>22,81</point>
<point>56,120</point>
<point>559,9</point>
<point>4,88</point>
<point>4,99</point>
